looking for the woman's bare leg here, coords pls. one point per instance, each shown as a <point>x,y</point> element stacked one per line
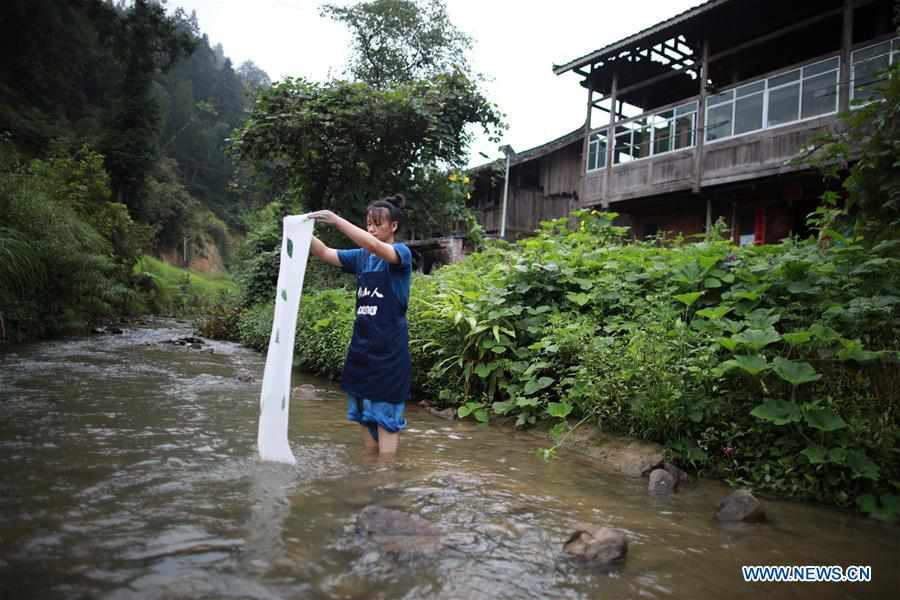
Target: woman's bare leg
<point>387,441</point>
<point>371,444</point>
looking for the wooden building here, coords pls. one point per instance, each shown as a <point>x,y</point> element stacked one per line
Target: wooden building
<point>543,184</point>
<point>702,116</point>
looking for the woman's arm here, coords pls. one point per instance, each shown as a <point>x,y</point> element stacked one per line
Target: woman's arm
<point>360,237</point>
<point>323,252</point>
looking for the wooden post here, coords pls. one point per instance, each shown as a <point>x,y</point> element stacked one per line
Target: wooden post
<point>585,152</point>
<point>610,137</point>
<point>846,45</point>
<point>701,122</point>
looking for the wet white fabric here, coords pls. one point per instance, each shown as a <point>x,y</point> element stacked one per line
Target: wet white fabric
<point>275,399</point>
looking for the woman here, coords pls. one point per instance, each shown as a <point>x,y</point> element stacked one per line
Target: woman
<point>377,370</point>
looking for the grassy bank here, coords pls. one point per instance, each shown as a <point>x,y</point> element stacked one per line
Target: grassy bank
<point>175,291</point>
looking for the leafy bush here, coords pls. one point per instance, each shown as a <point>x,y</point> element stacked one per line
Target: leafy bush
<point>64,246</point>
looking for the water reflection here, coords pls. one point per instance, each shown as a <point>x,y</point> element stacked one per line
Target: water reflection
<point>270,491</point>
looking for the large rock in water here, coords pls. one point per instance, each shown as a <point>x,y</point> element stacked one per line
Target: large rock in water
<point>602,545</point>
<point>661,483</point>
<point>741,505</point>
<point>396,531</point>
<point>679,477</point>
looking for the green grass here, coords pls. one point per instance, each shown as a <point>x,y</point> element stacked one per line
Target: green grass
<point>183,291</point>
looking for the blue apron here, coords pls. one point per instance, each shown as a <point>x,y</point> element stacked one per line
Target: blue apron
<point>378,362</point>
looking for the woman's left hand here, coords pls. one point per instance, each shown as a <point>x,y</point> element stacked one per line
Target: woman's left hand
<point>324,216</point>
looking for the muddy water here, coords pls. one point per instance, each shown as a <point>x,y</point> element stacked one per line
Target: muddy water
<point>128,470</point>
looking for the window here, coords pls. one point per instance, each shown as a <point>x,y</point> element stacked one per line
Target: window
<point>685,124</point>
<point>719,110</point>
<point>665,131</point>
<point>632,141</point>
<point>867,65</point>
<point>597,151</point>
<point>783,98</point>
<point>820,94</point>
<point>748,107</point>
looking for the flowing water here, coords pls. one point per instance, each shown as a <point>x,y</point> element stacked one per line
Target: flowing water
<point>128,470</point>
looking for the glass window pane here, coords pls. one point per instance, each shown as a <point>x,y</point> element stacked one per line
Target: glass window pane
<point>783,79</point>
<point>752,88</point>
<point>622,150</point>
<point>819,95</point>
<point>686,108</point>
<point>718,122</point>
<point>641,143</point>
<point>866,77</point>
<point>818,68</point>
<point>684,131</point>
<point>662,137</point>
<point>720,98</point>
<point>784,105</point>
<point>871,51</point>
<point>748,114</point>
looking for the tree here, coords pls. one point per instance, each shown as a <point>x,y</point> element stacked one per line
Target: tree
<point>397,41</point>
<point>253,78</point>
<point>864,159</point>
<point>151,41</point>
<point>343,144</point>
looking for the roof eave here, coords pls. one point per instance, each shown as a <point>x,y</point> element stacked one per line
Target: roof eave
<point>587,59</point>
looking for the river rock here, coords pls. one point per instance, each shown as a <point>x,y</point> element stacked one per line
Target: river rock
<point>395,531</point>
<point>304,392</point>
<point>626,455</point>
<point>661,483</point>
<point>741,505</point>
<point>681,478</point>
<point>447,413</point>
<point>601,545</point>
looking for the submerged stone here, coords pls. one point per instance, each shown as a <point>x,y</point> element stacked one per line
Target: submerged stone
<point>741,505</point>
<point>602,545</point>
<point>661,483</point>
<point>395,531</point>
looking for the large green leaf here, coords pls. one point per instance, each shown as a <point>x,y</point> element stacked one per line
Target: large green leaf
<point>862,466</point>
<point>579,298</point>
<point>536,385</point>
<point>501,408</point>
<point>753,363</point>
<point>823,419</point>
<point>485,369</point>
<point>779,412</point>
<point>798,338</point>
<point>714,312</point>
<point>559,409</point>
<point>757,339</point>
<point>688,299</point>
<point>795,372</point>
<point>816,454</point>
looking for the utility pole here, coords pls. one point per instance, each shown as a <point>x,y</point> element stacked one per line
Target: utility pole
<point>509,152</point>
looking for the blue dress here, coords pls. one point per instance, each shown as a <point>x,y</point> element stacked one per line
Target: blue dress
<point>378,362</point>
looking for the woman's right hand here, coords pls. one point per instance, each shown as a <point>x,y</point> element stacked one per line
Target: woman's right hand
<point>324,216</point>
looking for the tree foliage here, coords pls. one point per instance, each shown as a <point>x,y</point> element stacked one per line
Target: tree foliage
<point>864,159</point>
<point>397,41</point>
<point>341,144</point>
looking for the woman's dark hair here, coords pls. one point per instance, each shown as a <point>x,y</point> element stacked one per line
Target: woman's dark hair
<point>394,206</point>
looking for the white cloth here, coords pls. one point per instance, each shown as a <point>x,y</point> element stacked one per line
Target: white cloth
<point>275,399</point>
